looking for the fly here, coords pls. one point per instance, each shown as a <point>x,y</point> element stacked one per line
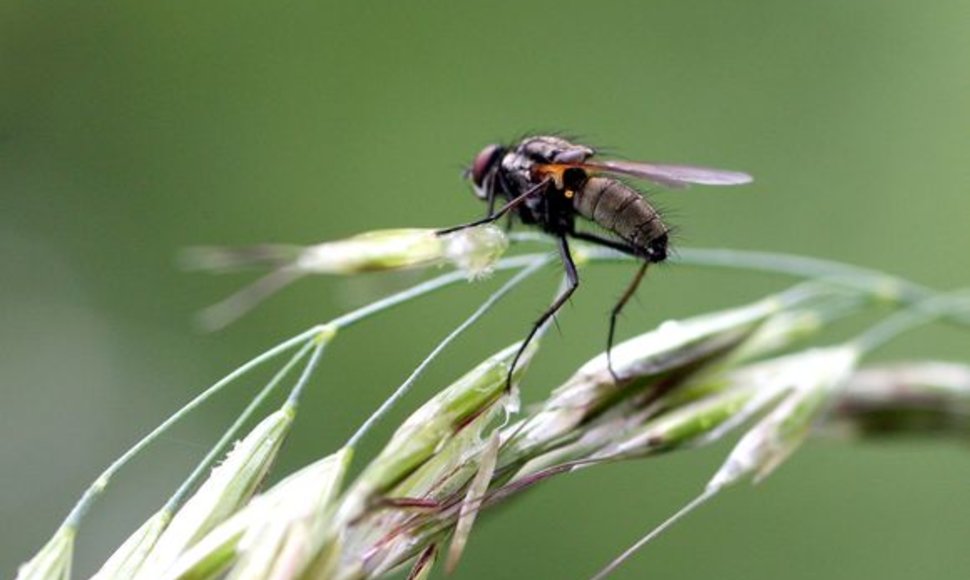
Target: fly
<point>548,182</point>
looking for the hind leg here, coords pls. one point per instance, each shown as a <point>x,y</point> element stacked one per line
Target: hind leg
<point>627,294</point>
<point>615,313</point>
<point>617,245</point>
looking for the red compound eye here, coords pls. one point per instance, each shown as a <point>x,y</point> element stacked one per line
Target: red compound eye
<point>484,161</point>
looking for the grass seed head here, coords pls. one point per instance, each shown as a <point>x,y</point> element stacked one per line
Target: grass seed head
<point>653,362</point>
<point>370,251</point>
<point>428,428</point>
<point>808,382</point>
<point>283,528</point>
<point>475,250</point>
<point>128,558</point>
<point>925,397</point>
<point>472,250</point>
<point>228,487</point>
<point>687,424</point>
<point>53,561</point>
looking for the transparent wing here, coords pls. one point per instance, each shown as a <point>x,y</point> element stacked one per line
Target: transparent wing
<point>675,176</point>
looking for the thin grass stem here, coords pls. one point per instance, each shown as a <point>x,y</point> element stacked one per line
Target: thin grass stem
<point>311,366</point>
<point>527,237</point>
<point>90,495</point>
<point>796,265</point>
<point>512,263</point>
<point>872,282</point>
<point>217,450</point>
<point>657,531</point>
<point>537,264</point>
<point>774,262</point>
<point>932,310</point>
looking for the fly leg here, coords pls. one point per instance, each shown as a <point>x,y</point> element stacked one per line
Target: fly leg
<point>627,294</point>
<point>612,244</point>
<point>507,189</point>
<point>501,211</point>
<point>492,197</point>
<point>572,278</point>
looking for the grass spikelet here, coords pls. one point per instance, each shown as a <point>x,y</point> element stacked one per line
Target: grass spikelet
<point>473,251</point>
<point>128,559</point>
<point>281,529</point>
<point>229,487</point>
<point>53,561</point>
<point>926,398</point>
<point>809,381</point>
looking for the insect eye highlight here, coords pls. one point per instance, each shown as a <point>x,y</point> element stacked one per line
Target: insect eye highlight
<point>484,161</point>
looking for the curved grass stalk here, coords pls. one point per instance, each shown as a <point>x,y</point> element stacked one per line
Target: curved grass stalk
<point>654,533</point>
<point>773,262</point>
<point>513,263</point>
<point>97,488</point>
<point>294,397</point>
<point>932,309</point>
<point>230,434</point>
<point>874,282</point>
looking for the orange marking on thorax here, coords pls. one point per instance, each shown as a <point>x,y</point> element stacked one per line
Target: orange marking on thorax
<point>555,172</point>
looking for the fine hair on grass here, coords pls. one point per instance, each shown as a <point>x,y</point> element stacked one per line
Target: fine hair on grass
<point>756,370</point>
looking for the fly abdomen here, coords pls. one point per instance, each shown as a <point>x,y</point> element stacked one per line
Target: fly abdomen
<point>621,209</point>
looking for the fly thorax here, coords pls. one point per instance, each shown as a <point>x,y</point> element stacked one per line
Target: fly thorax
<point>550,149</point>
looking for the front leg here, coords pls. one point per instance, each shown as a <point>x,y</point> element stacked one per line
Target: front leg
<point>491,196</point>
<point>536,189</point>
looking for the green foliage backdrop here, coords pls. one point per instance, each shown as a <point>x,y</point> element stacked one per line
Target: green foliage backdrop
<point>128,131</point>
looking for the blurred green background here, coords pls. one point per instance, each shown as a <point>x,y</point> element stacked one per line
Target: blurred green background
<point>129,131</point>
